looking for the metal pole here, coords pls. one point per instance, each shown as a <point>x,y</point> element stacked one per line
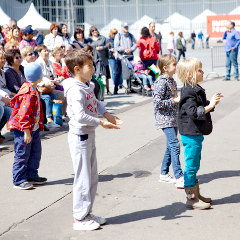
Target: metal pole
<point>137,10</point>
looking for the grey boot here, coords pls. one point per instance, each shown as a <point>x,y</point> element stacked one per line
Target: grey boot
<point>193,200</point>
<point>206,200</point>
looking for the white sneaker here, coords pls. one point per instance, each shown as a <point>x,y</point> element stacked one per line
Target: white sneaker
<point>52,125</point>
<point>97,219</point>
<point>166,178</point>
<point>180,182</point>
<point>85,225</point>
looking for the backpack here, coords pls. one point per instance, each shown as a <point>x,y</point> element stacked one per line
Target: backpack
<point>149,51</point>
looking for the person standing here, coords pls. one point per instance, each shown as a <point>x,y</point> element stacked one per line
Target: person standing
<point>232,38</point>
<point>200,40</point>
<point>148,49</point>
<point>124,44</point>
<point>193,38</point>
<point>27,121</point>
<point>181,46</point>
<point>100,54</point>
<point>158,36</point>
<point>171,46</point>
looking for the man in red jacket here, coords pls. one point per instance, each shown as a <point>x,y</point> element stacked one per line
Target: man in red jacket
<point>27,120</point>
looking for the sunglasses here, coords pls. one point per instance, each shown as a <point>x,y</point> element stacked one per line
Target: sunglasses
<point>30,54</point>
<point>95,30</point>
<point>18,57</point>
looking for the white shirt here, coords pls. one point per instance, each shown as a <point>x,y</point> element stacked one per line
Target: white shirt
<point>51,41</point>
<point>171,43</point>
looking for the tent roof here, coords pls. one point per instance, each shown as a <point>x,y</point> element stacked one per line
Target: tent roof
<point>177,18</point>
<point>4,19</point>
<point>235,11</point>
<point>202,17</point>
<point>143,21</point>
<point>115,23</point>
<point>32,17</point>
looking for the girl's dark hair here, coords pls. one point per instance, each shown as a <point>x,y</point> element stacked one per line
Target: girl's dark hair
<point>60,26</point>
<point>77,31</point>
<point>10,54</point>
<point>180,34</point>
<point>145,32</point>
<point>92,28</point>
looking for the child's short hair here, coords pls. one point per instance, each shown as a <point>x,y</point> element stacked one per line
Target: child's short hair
<point>164,61</point>
<point>187,70</point>
<point>57,50</point>
<point>77,57</point>
<point>87,48</point>
<point>39,48</point>
<point>26,50</point>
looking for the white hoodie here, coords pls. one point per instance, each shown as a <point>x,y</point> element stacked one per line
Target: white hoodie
<point>82,106</point>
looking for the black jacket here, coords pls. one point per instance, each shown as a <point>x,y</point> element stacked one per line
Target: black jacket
<point>192,119</point>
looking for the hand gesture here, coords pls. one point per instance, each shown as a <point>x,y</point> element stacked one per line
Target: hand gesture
<point>6,100</point>
<point>27,136</point>
<point>113,119</point>
<point>216,98</point>
<point>108,125</point>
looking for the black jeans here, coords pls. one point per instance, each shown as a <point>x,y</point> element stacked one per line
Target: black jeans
<point>180,53</point>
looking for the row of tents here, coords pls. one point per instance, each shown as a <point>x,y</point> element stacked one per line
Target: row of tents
<point>176,22</point>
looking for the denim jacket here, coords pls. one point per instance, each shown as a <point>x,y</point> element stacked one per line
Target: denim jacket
<point>165,109</point>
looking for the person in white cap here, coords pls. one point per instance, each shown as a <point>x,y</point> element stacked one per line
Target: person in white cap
<point>124,44</point>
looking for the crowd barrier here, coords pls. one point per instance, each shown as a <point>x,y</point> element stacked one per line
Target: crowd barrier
<point>218,59</point>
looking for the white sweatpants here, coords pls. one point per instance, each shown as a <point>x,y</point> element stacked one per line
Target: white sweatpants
<point>83,154</point>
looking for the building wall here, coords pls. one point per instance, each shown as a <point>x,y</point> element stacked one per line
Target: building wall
<point>101,12</point>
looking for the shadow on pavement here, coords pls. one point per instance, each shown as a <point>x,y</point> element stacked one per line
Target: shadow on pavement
<point>66,181</point>
<point>107,178</point>
<point>206,178</point>
<point>168,212</point>
<point>235,198</point>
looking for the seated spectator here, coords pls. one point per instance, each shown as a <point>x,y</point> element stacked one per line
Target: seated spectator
<point>63,33</point>
<point>39,37</point>
<point>142,73</point>
<point>11,45</point>
<point>59,65</point>
<point>5,95</point>
<point>14,70</point>
<point>28,38</point>
<point>79,41</point>
<point>50,85</point>
<point>52,39</point>
<point>27,55</point>
<point>5,30</point>
<point>14,35</point>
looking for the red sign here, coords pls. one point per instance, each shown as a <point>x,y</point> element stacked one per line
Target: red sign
<point>216,25</point>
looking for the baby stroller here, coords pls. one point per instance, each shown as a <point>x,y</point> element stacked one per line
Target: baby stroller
<point>134,83</point>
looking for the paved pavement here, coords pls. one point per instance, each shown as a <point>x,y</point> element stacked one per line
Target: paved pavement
<point>135,204</point>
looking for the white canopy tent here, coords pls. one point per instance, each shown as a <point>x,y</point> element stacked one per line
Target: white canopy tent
<point>4,19</point>
<point>199,23</point>
<point>32,17</point>
<point>115,23</point>
<point>178,22</point>
<point>235,11</point>
<point>136,27</point>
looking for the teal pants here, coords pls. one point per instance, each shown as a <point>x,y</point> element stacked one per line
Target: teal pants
<point>192,145</point>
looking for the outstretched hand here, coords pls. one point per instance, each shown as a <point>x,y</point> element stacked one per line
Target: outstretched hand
<point>113,119</point>
<point>108,125</point>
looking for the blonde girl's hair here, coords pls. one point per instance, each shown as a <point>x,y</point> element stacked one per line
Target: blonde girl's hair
<point>187,70</point>
<point>164,61</point>
<point>26,50</point>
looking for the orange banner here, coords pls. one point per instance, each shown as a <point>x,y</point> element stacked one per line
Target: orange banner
<point>216,25</point>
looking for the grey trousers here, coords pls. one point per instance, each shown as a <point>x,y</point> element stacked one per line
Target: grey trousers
<point>83,154</point>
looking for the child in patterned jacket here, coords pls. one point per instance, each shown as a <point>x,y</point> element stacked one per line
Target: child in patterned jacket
<point>26,121</point>
<point>166,101</point>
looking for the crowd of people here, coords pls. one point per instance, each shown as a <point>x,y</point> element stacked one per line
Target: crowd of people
<point>59,68</point>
